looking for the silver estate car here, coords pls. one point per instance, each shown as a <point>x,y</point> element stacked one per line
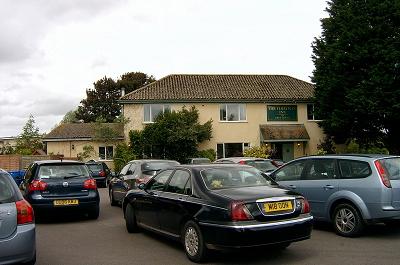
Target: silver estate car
<point>350,191</point>
<point>17,226</point>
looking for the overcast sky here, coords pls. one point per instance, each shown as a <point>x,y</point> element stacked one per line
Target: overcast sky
<point>51,51</point>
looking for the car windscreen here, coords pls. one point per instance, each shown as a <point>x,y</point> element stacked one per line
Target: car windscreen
<point>233,177</point>
<point>62,171</point>
<point>263,165</point>
<point>6,190</point>
<point>95,167</point>
<point>392,166</point>
<point>153,167</point>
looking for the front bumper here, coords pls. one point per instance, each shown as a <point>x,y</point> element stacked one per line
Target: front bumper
<point>251,234</point>
<point>20,247</point>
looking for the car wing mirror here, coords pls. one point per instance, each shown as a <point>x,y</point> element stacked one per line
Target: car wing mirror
<point>142,186</point>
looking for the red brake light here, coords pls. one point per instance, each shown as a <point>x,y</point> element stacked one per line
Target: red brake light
<point>25,213</point>
<point>305,206</point>
<point>242,162</point>
<point>90,184</point>
<point>102,173</point>
<point>239,211</point>
<point>382,173</point>
<point>37,185</point>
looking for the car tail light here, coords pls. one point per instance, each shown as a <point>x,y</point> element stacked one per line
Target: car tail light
<point>90,184</point>
<point>102,173</point>
<point>305,206</point>
<point>382,173</point>
<point>25,213</point>
<point>37,185</point>
<point>239,211</point>
<point>242,162</point>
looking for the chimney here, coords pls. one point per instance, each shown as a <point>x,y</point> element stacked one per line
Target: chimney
<point>122,91</point>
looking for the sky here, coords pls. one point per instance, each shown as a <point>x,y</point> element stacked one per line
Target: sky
<point>51,51</point>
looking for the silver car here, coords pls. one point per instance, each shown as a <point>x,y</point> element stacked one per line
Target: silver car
<point>350,191</point>
<point>17,224</point>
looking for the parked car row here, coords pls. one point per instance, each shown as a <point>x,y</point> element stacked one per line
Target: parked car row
<point>233,203</point>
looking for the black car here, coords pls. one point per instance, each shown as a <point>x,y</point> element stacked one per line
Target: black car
<point>100,172</point>
<point>60,185</point>
<point>217,207</point>
<point>134,173</point>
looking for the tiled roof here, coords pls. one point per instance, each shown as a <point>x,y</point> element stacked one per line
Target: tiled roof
<point>81,130</point>
<point>185,87</point>
<point>284,132</point>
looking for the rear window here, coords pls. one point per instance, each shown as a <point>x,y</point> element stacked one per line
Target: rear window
<point>222,178</point>
<point>95,167</point>
<point>392,166</point>
<point>62,171</point>
<point>6,190</point>
<point>263,165</point>
<point>352,169</point>
<point>156,166</point>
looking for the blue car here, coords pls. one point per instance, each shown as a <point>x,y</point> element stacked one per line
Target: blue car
<point>350,191</point>
<point>17,224</point>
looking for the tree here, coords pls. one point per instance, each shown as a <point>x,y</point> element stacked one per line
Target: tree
<point>101,102</point>
<point>134,80</point>
<point>30,139</point>
<point>173,135</point>
<point>70,117</point>
<point>356,76</point>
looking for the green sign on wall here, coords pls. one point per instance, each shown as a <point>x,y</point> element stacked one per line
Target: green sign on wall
<point>282,113</point>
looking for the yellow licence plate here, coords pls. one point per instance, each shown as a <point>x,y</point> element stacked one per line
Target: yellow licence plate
<point>65,202</point>
<point>278,206</point>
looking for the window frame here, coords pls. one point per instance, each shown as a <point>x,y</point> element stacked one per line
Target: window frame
<point>240,119</point>
<point>312,113</point>
<point>339,165</point>
<point>245,146</point>
<point>151,119</point>
<point>186,183</point>
<point>105,154</point>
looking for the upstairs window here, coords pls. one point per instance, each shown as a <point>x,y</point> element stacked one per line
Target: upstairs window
<point>151,111</point>
<point>311,113</point>
<point>232,112</point>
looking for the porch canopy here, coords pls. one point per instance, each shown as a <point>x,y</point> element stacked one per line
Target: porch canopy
<point>284,133</point>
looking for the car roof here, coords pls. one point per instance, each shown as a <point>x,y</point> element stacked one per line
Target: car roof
<point>355,156</point>
<point>245,158</point>
<point>211,166</point>
<point>41,162</point>
<point>151,160</point>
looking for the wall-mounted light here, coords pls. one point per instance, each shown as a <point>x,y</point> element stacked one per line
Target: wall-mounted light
<point>298,144</point>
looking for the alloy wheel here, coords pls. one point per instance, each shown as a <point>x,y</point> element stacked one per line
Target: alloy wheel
<point>345,220</point>
<point>191,241</point>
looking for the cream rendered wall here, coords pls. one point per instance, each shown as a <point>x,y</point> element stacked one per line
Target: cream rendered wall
<point>234,132</point>
<point>65,148</point>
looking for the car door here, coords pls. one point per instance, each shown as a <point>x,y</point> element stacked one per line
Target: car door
<point>117,183</point>
<point>289,175</point>
<point>172,201</point>
<point>318,182</point>
<point>148,205</point>
<point>128,180</point>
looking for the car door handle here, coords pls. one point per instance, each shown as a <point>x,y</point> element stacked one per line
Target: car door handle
<point>329,187</point>
<point>292,187</point>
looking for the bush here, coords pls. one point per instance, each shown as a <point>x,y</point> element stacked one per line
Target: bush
<point>354,148</point>
<point>123,155</point>
<point>257,151</point>
<point>209,153</point>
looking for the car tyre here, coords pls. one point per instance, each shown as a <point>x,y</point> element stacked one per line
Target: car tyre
<point>193,242</point>
<point>347,220</point>
<point>130,219</point>
<point>94,213</point>
<point>113,202</point>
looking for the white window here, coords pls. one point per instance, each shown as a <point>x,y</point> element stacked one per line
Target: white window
<point>311,113</point>
<point>106,152</point>
<point>151,111</point>
<point>231,149</point>
<point>232,112</point>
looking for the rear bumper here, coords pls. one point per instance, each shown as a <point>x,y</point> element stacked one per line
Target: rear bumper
<point>40,203</point>
<point>20,247</point>
<point>256,234</point>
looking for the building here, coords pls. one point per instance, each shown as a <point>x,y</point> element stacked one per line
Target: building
<point>71,139</point>
<point>247,110</point>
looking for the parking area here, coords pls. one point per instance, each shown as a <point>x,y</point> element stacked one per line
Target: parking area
<point>76,240</point>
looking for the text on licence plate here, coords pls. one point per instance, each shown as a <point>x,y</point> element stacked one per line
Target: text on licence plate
<point>65,202</point>
<point>277,206</point>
